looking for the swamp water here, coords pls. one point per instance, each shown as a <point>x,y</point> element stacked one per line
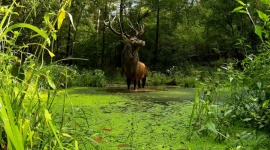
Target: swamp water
<point>114,118</point>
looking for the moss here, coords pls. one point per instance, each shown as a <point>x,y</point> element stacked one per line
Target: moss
<point>141,120</point>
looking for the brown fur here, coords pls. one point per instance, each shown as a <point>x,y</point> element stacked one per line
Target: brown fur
<point>130,60</point>
<point>141,73</point>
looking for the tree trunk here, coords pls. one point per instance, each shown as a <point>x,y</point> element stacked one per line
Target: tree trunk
<point>155,61</point>
<point>103,37</point>
<point>96,56</point>
<point>118,63</point>
<point>98,20</point>
<point>76,28</point>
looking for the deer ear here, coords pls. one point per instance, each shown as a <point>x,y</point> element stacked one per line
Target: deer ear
<point>126,40</point>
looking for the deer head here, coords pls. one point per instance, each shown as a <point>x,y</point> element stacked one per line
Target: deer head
<point>132,40</point>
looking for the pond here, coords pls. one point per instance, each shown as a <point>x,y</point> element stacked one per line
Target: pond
<point>115,118</point>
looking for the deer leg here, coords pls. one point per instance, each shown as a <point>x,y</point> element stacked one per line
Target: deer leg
<point>128,82</point>
<point>143,82</point>
<point>139,83</point>
<point>135,84</point>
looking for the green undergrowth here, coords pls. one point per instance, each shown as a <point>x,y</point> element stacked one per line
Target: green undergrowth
<point>101,118</point>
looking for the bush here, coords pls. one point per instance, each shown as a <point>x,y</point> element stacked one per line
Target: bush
<point>61,75</point>
<point>189,82</point>
<point>115,76</point>
<point>186,77</point>
<point>156,78</point>
<point>95,78</point>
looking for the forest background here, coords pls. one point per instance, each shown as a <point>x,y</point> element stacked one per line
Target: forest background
<point>177,33</point>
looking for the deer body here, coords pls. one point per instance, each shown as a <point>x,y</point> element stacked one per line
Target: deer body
<point>130,62</point>
<point>130,56</point>
<point>141,73</point>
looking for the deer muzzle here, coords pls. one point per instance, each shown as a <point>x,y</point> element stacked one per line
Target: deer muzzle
<point>143,43</point>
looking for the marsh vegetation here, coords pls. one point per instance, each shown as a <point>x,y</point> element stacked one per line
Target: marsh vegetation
<point>207,81</point>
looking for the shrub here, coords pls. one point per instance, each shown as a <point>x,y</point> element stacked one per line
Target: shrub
<point>189,82</point>
<point>156,78</point>
<point>61,75</point>
<point>95,78</point>
<point>98,79</point>
<point>241,96</point>
<point>115,76</point>
<point>187,79</point>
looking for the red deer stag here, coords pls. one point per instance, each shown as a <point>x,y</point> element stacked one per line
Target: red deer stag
<point>129,56</point>
<point>141,74</point>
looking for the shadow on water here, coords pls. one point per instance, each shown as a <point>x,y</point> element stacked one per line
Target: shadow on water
<point>124,90</point>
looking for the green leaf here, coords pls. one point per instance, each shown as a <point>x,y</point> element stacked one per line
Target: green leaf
<point>14,13</point>
<point>6,11</point>
<point>243,11</point>
<point>76,145</point>
<point>47,18</point>
<point>267,2</point>
<point>266,35</point>
<point>261,126</point>
<point>61,17</point>
<point>48,116</point>
<point>7,121</point>
<point>258,31</point>
<point>211,126</point>
<point>66,135</point>
<point>265,103</point>
<point>241,3</point>
<point>247,119</point>
<point>69,3</point>
<point>50,81</point>
<point>237,9</point>
<point>262,15</point>
<point>54,36</point>
<point>51,54</point>
<point>245,135</point>
<point>259,84</point>
<point>228,112</point>
<point>29,26</point>
<point>236,143</point>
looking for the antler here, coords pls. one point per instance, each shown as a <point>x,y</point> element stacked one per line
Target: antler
<point>138,33</point>
<point>141,31</point>
<point>109,25</point>
<point>121,32</point>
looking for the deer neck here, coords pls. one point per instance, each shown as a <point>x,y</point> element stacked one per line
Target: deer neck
<point>134,48</point>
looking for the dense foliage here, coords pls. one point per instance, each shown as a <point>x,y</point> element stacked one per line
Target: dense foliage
<point>189,32</point>
<point>26,120</point>
<point>236,96</point>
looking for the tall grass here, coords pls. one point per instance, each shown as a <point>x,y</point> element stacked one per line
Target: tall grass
<point>26,120</point>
